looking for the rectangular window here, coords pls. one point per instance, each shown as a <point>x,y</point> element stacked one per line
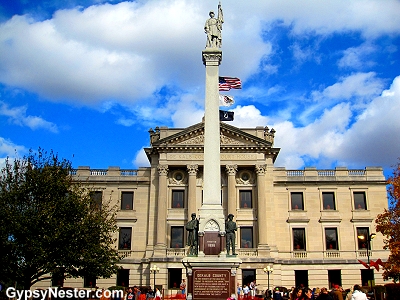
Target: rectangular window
<point>89,281</point>
<point>57,278</point>
<point>331,239</point>
<point>359,200</point>
<point>297,201</point>
<point>301,277</point>
<point>177,198</point>
<point>362,237</point>
<point>245,199</point>
<point>334,277</point>
<point>125,238</point>
<point>299,239</point>
<point>367,277</point>
<point>246,237</point>
<point>123,277</point>
<point>328,201</point>
<point>126,200</point>
<point>249,275</point>
<point>177,234</point>
<point>174,278</point>
<point>97,198</point>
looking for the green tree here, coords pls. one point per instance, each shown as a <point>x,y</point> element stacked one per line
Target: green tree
<point>49,222</point>
<point>388,223</point>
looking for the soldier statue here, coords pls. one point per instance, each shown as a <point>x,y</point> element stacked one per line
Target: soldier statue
<point>230,228</point>
<point>193,228</point>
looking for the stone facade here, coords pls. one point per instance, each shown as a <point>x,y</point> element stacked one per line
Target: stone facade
<point>305,224</point>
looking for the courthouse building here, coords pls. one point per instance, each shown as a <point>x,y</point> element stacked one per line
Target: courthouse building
<point>310,226</point>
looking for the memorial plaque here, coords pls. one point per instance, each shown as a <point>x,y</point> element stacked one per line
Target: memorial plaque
<point>211,284</point>
<point>212,244</point>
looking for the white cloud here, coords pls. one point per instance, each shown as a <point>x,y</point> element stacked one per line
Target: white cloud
<point>356,57</point>
<point>373,139</point>
<point>361,85</point>
<point>141,159</point>
<point>129,50</point>
<point>360,88</point>
<point>315,140</point>
<point>9,150</point>
<point>248,116</point>
<point>17,116</point>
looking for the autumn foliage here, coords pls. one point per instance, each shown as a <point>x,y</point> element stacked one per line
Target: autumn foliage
<point>388,223</point>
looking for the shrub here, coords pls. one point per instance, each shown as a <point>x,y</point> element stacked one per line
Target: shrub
<point>393,291</point>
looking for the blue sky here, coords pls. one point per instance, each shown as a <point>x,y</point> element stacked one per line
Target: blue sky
<point>88,79</point>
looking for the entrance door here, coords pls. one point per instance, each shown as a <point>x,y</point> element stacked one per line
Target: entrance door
<point>301,278</point>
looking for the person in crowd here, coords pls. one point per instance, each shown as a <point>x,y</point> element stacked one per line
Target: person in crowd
<point>183,287</point>
<point>293,293</point>
<point>324,295</point>
<point>277,294</point>
<point>252,287</point>
<point>158,294</point>
<point>239,290</point>
<point>130,295</point>
<point>246,291</point>
<point>307,294</point>
<point>358,294</point>
<point>337,292</point>
<point>316,292</point>
<point>150,293</point>
<point>299,294</point>
<point>137,292</point>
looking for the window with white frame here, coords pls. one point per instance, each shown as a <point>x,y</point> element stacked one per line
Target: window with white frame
<point>177,237</point>
<point>331,239</point>
<point>299,239</point>
<point>297,201</point>
<point>328,201</point>
<point>178,198</point>
<point>245,199</point>
<point>360,202</point>
<point>246,237</point>
<point>126,200</point>
<point>125,238</point>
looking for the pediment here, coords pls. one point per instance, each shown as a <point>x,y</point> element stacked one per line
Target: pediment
<point>229,136</point>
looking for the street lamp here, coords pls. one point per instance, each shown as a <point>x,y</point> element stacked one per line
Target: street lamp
<point>369,238</point>
<point>154,269</point>
<point>268,270</point>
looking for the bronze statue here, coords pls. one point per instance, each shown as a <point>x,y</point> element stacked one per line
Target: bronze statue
<point>230,228</point>
<point>193,228</point>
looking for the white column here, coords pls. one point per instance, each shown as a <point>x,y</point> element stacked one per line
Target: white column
<point>192,208</point>
<point>231,171</point>
<point>212,166</point>
<point>162,206</point>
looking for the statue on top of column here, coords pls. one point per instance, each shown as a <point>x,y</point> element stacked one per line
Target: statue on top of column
<point>213,28</point>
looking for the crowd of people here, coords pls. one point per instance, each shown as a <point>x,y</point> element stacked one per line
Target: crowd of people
<point>143,293</point>
<point>248,291</point>
<point>336,293</point>
<point>146,292</point>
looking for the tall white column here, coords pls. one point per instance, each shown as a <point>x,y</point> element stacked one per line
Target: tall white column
<point>212,167</point>
<point>192,171</point>
<point>162,210</point>
<point>231,171</point>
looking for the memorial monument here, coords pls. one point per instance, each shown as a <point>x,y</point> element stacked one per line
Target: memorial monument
<point>212,272</point>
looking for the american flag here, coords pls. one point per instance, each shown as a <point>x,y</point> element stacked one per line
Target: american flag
<point>227,83</point>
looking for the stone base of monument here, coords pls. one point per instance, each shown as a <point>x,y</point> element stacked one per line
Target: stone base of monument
<point>211,277</point>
